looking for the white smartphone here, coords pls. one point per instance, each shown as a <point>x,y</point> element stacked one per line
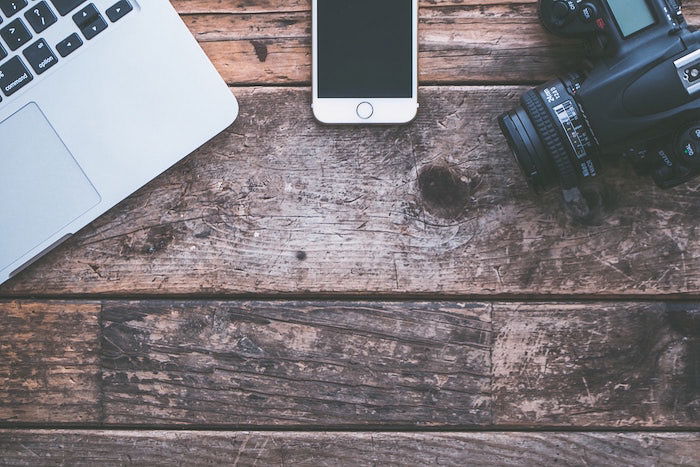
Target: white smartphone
<point>365,61</point>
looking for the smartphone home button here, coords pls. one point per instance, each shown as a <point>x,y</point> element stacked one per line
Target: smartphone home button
<point>365,110</point>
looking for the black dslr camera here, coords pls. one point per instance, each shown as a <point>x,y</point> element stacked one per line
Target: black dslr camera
<point>637,96</point>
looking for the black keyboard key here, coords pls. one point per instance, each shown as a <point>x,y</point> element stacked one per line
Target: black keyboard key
<point>12,7</point>
<point>86,16</point>
<point>69,45</point>
<point>15,34</point>
<point>13,76</point>
<point>66,6</point>
<point>119,10</point>
<point>40,17</point>
<point>3,53</point>
<point>90,21</point>
<point>40,56</point>
<point>92,29</point>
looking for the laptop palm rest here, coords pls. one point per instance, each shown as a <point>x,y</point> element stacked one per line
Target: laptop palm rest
<point>42,187</point>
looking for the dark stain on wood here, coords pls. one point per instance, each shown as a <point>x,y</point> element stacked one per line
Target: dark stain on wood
<point>684,318</point>
<point>445,191</point>
<point>158,239</point>
<point>602,199</point>
<point>260,50</point>
<point>301,255</point>
<point>203,234</point>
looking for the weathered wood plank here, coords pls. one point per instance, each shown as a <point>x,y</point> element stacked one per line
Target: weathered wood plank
<point>239,6</point>
<point>49,362</point>
<point>466,44</point>
<point>350,364</point>
<point>190,7</point>
<point>53,447</point>
<point>284,363</point>
<point>279,204</point>
<point>460,42</point>
<point>581,363</point>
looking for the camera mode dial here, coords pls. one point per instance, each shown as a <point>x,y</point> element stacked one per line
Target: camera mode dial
<point>569,18</point>
<point>677,160</point>
<point>560,11</point>
<point>688,147</point>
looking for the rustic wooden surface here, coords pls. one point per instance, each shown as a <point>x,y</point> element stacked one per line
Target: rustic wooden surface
<point>350,364</point>
<point>210,298</point>
<point>352,449</point>
<point>462,41</point>
<point>280,205</point>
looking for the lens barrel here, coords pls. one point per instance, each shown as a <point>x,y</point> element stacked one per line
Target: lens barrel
<point>528,150</point>
<point>550,138</point>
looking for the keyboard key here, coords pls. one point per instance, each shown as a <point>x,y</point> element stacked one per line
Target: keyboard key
<point>40,17</point>
<point>92,29</point>
<point>90,21</point>
<point>69,45</point>
<point>13,76</point>
<point>40,56</point>
<point>66,6</point>
<point>12,7</point>
<point>86,16</point>
<point>15,34</point>
<point>3,53</point>
<point>119,10</point>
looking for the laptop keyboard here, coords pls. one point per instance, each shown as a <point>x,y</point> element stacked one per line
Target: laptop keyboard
<point>25,53</point>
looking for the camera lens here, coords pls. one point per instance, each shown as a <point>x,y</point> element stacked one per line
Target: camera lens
<point>528,150</point>
<point>549,137</point>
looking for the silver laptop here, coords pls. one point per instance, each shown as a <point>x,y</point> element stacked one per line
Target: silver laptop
<point>98,98</point>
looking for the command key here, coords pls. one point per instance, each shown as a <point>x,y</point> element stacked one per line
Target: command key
<point>14,76</point>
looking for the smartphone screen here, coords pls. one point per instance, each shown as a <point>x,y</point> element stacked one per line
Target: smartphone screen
<point>365,48</point>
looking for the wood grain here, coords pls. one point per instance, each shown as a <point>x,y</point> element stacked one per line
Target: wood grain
<point>279,204</point>
<point>351,365</point>
<point>49,362</point>
<point>580,363</point>
<point>286,363</point>
<point>153,448</point>
<point>461,42</point>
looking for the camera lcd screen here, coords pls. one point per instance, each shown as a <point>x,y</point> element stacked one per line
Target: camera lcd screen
<point>365,48</point>
<point>631,15</point>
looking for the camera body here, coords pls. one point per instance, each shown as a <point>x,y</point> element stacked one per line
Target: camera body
<point>636,96</point>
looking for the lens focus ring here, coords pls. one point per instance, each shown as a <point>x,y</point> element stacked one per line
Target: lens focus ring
<point>552,140</point>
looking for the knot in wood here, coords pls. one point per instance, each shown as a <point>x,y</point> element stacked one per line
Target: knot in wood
<point>445,192</point>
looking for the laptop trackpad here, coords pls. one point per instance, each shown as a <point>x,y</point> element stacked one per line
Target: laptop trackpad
<point>42,188</point>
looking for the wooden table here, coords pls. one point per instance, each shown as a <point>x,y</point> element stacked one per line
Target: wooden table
<point>299,294</point>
